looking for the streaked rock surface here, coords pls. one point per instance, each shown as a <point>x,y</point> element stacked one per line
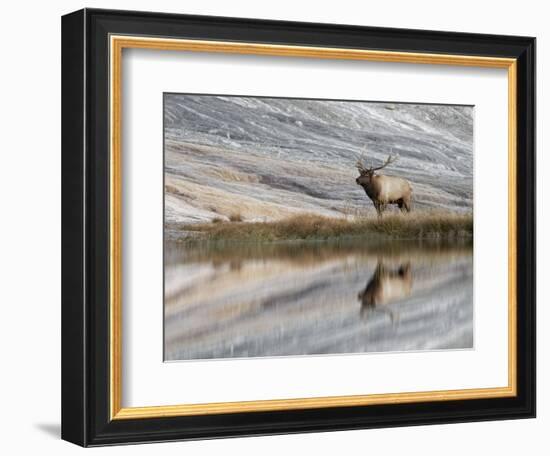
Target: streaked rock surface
<point>267,158</point>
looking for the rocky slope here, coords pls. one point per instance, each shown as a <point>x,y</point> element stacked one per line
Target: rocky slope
<point>268,158</point>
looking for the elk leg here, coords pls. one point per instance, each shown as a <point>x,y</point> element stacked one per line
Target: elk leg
<point>407,204</point>
<point>401,205</point>
<point>378,208</point>
<point>394,316</point>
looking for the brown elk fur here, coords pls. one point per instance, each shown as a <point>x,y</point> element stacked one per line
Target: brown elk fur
<point>384,190</point>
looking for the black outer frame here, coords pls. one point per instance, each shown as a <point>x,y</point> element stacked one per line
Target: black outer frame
<point>85,227</point>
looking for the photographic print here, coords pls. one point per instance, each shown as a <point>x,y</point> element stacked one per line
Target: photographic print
<point>300,227</point>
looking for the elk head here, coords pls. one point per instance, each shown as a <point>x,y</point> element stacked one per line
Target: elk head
<point>366,173</point>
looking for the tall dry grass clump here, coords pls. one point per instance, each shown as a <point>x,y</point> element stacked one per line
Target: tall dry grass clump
<point>417,225</point>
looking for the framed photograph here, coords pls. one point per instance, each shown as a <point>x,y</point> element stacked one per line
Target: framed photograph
<point>277,227</point>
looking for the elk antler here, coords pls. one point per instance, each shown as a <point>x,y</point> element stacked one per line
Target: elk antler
<point>360,165</point>
<point>389,160</point>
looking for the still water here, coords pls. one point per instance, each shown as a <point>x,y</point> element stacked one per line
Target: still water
<point>304,298</point>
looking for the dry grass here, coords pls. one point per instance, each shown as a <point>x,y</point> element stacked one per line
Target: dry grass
<point>418,225</point>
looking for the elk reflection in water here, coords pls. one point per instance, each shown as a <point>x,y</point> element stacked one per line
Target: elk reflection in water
<point>386,286</point>
<point>281,299</point>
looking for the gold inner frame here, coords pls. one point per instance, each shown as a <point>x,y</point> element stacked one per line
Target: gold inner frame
<point>117,44</point>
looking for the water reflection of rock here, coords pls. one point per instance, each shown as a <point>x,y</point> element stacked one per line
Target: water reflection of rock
<point>302,298</point>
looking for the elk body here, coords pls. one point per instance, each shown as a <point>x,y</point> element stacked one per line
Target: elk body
<point>384,190</point>
<point>386,286</point>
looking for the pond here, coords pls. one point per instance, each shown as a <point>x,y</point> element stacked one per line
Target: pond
<point>240,300</point>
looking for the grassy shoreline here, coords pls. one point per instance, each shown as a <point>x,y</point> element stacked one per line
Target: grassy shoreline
<point>314,227</point>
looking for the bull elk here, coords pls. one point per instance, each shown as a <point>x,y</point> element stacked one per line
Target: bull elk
<point>386,286</point>
<point>382,189</point>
